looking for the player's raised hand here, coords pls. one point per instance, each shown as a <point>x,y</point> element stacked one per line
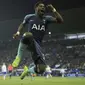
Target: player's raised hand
<point>51,7</point>
<point>16,35</point>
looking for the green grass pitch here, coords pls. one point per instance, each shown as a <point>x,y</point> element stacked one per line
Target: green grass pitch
<point>43,81</point>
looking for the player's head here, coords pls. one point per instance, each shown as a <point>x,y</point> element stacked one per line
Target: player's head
<point>40,8</point>
<point>9,64</point>
<point>48,66</point>
<point>3,63</point>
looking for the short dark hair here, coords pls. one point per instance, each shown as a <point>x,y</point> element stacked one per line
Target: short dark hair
<point>37,4</point>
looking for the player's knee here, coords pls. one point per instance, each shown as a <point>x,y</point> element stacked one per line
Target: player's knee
<point>27,38</point>
<point>40,69</point>
<point>27,34</point>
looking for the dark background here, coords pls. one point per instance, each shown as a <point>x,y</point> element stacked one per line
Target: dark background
<point>12,13</point>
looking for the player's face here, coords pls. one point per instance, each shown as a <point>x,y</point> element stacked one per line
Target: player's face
<point>40,9</point>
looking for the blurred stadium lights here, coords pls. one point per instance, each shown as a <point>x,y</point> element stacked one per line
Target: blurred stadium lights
<point>71,36</point>
<point>49,33</point>
<point>81,35</point>
<point>75,36</point>
<point>69,46</point>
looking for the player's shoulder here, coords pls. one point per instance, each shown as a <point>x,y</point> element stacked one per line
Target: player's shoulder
<point>29,15</point>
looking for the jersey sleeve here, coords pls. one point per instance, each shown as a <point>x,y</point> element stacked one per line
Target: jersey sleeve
<point>26,19</point>
<point>50,19</point>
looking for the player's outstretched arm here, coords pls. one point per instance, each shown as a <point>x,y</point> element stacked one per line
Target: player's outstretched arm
<point>57,15</point>
<point>21,26</point>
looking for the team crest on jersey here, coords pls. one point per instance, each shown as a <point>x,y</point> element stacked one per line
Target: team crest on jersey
<point>44,21</point>
<point>38,27</point>
<point>31,20</point>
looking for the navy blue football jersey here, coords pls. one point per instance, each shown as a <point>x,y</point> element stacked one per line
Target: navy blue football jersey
<point>38,26</point>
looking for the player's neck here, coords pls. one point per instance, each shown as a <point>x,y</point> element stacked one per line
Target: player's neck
<point>39,15</point>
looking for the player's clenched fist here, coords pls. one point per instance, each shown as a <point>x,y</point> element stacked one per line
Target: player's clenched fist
<point>16,35</point>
